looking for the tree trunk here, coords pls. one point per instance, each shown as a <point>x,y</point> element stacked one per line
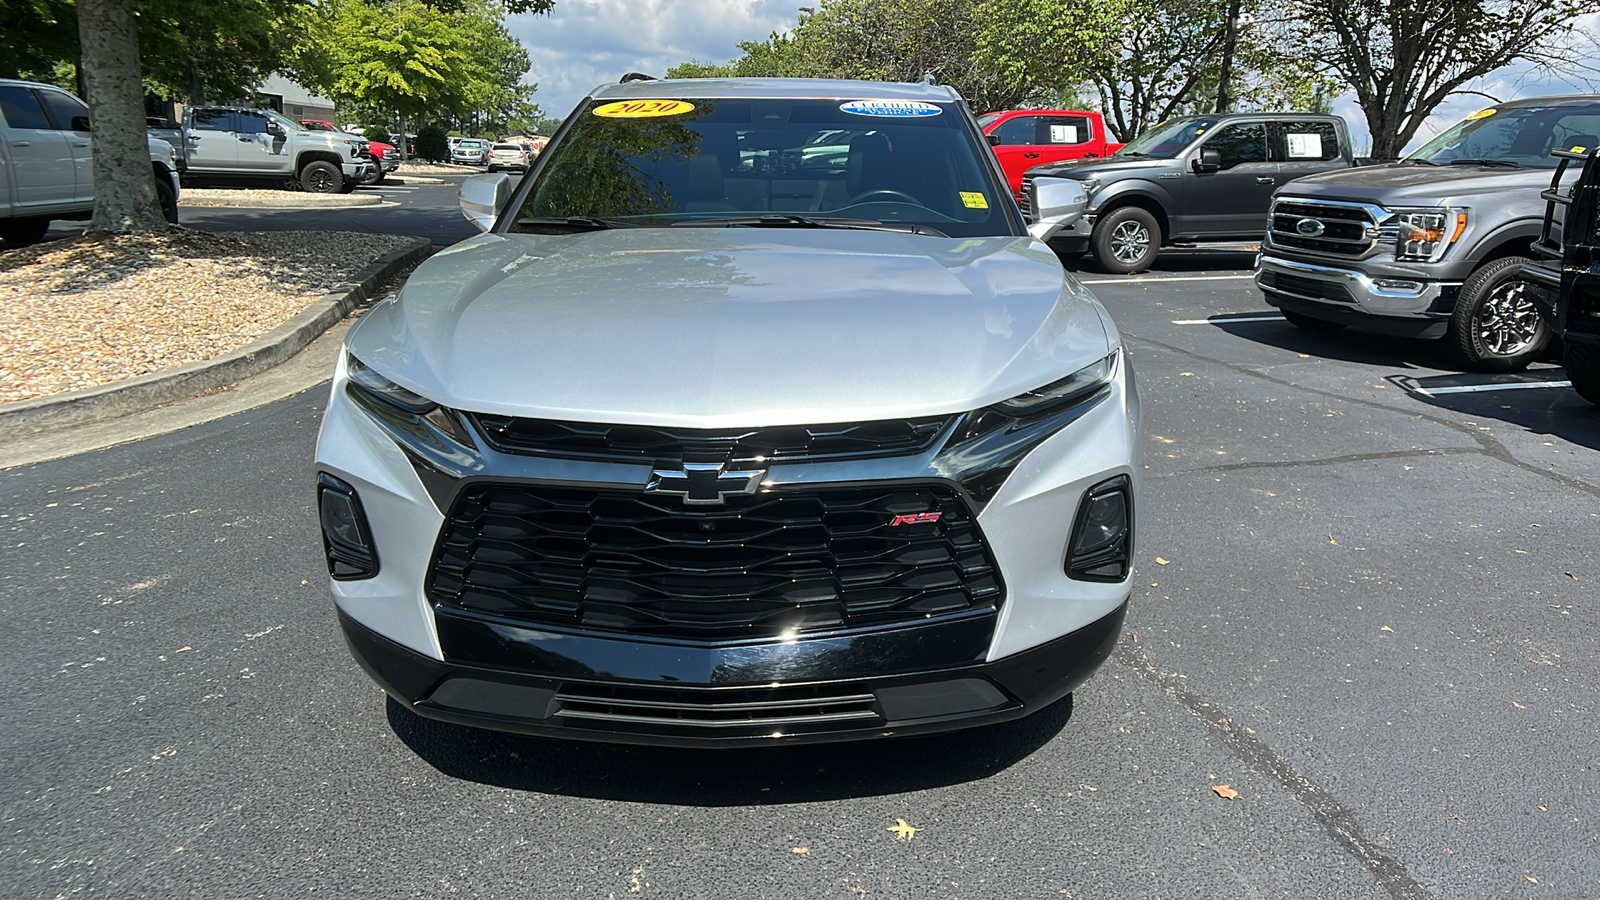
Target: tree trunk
<point>124,182</point>
<point>1232,36</point>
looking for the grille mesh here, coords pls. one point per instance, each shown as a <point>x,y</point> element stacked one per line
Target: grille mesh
<point>784,562</point>
<point>1345,228</point>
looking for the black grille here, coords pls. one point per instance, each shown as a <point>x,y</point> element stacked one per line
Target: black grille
<point>1025,197</point>
<point>1345,228</point>
<point>717,708</point>
<point>762,566</point>
<point>639,442</point>
<point>1307,287</point>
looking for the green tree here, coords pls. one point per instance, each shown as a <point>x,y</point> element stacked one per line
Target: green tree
<point>1403,58</point>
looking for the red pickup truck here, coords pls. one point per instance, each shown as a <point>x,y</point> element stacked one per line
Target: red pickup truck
<point>1024,138</point>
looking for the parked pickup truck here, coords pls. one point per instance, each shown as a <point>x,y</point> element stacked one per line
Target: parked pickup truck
<point>1431,246</point>
<point>1024,138</point>
<point>1565,280</point>
<point>45,168</point>
<point>1199,178</point>
<point>384,157</point>
<point>236,143</point>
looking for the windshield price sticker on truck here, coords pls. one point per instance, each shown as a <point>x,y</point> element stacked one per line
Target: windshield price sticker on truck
<point>974,200</point>
<point>642,109</point>
<point>891,109</point>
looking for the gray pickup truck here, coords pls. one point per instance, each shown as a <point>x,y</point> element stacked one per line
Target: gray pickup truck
<point>228,143</point>
<point>1199,178</point>
<point>1431,246</point>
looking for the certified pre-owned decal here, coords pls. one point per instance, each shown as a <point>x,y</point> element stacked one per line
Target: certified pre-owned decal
<point>643,109</point>
<point>891,109</point>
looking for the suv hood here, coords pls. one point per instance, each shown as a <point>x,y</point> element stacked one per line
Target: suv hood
<point>1392,185</point>
<point>716,327</point>
<point>1083,168</point>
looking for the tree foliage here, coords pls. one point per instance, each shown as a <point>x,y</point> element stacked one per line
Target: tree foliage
<point>1402,58</point>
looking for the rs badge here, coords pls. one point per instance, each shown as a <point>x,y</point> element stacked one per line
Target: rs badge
<point>915,519</point>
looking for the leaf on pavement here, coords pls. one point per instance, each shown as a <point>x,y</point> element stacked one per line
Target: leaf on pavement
<point>1387,628</point>
<point>903,831</point>
<point>183,648</point>
<point>1162,562</point>
<point>800,850</point>
<point>1223,791</point>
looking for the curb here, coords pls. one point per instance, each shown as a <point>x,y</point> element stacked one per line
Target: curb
<point>110,401</point>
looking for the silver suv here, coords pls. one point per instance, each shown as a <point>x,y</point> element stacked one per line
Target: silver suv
<point>710,441</point>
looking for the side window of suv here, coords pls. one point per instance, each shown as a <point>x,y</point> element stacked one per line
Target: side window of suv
<point>1309,141</point>
<point>212,120</point>
<point>1019,130</point>
<point>21,108</point>
<point>1242,143</point>
<point>1063,130</point>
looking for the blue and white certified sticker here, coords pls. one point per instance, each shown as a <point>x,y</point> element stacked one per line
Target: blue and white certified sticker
<point>891,109</point>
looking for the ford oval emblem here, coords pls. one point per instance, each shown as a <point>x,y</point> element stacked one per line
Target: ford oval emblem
<point>1309,227</point>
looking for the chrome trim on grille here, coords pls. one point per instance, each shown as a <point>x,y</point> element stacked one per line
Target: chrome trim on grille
<point>1365,227</point>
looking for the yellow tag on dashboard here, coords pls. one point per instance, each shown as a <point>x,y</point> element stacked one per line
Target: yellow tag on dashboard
<point>1578,150</point>
<point>974,200</point>
<point>1481,114</point>
<point>642,109</point>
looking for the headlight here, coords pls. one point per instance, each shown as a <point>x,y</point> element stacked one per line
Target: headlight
<point>1424,235</point>
<point>370,384</point>
<point>1061,393</point>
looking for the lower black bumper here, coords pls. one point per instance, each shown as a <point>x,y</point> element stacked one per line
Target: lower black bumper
<point>598,706</point>
<point>1398,326</point>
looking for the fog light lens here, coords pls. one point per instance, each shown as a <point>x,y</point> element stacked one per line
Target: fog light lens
<point>346,539</point>
<point>1102,536</point>
<point>1395,284</point>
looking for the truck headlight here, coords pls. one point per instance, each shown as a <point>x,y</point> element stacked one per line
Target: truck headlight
<point>1424,235</point>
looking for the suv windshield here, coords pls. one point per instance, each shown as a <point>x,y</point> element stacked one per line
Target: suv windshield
<point>1167,139</point>
<point>786,163</point>
<point>1522,135</point>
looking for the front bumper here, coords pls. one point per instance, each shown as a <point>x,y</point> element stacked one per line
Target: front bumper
<point>812,691</point>
<point>356,169</point>
<point>390,162</point>
<point>1404,306</point>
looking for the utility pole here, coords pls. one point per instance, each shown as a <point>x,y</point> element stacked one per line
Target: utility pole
<point>1229,38</point>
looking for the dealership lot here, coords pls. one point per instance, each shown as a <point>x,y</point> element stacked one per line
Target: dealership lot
<point>1363,601</point>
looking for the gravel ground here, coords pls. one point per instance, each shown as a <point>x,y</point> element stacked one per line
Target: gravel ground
<point>261,197</point>
<point>99,308</point>
<point>422,167</point>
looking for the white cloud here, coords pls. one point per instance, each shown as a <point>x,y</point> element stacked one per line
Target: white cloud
<point>585,43</point>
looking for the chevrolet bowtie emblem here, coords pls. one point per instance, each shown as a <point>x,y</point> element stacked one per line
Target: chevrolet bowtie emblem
<point>705,484</point>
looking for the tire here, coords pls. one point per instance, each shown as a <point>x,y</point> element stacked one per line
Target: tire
<point>1310,323</point>
<point>373,177</point>
<point>1583,369</point>
<point>346,185</point>
<point>1495,326</point>
<point>321,177</point>
<point>1126,241</point>
<point>23,231</point>
<point>168,199</point>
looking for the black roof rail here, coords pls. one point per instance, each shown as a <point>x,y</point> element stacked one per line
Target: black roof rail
<point>636,76</point>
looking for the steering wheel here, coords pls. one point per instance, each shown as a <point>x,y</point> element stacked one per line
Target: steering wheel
<point>886,193</point>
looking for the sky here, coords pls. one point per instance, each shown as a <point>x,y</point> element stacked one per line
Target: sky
<point>585,43</point>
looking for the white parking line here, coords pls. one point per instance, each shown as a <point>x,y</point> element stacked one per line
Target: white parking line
<point>1163,278</point>
<point>1480,388</point>
<point>1227,321</point>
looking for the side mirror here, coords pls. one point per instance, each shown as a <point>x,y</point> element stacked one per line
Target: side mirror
<point>1209,160</point>
<point>483,197</point>
<point>80,123</point>
<point>274,129</point>
<point>993,139</point>
<point>1056,203</point>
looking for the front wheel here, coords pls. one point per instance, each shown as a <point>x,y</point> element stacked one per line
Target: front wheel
<point>23,231</point>
<point>1126,241</point>
<point>168,199</point>
<point>373,176</point>
<point>321,177</point>
<point>1583,369</point>
<point>1495,324</point>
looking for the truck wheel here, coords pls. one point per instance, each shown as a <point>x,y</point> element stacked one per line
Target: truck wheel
<point>23,231</point>
<point>1310,323</point>
<point>168,198</point>
<point>373,176</point>
<point>1496,326</point>
<point>346,185</point>
<point>1126,241</point>
<point>321,177</point>
<point>1583,369</point>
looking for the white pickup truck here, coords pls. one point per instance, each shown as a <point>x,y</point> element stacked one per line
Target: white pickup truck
<point>45,169</point>
<point>233,143</point>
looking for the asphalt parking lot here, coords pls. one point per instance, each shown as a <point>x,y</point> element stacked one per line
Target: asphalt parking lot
<point>1362,600</point>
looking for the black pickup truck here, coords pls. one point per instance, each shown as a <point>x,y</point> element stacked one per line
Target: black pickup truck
<point>1564,278</point>
<point>1198,178</point>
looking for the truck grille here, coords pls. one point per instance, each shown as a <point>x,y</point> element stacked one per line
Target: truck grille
<point>1301,286</point>
<point>635,443</point>
<point>1025,196</point>
<point>764,708</point>
<point>1348,231</point>
<point>778,563</point>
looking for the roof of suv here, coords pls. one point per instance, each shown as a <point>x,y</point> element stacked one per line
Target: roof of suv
<point>773,88</point>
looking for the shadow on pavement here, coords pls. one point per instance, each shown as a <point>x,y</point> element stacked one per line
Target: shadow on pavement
<point>742,777</point>
<point>1550,411</point>
<point>1346,344</point>
<point>1175,260</point>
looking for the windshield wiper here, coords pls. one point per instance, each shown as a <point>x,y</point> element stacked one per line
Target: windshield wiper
<point>1496,163</point>
<point>1414,161</point>
<point>577,223</point>
<point>787,220</point>
<point>1132,153</point>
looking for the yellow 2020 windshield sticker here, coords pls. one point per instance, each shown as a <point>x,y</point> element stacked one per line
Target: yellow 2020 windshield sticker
<point>974,200</point>
<point>642,109</point>
<point>1481,114</point>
